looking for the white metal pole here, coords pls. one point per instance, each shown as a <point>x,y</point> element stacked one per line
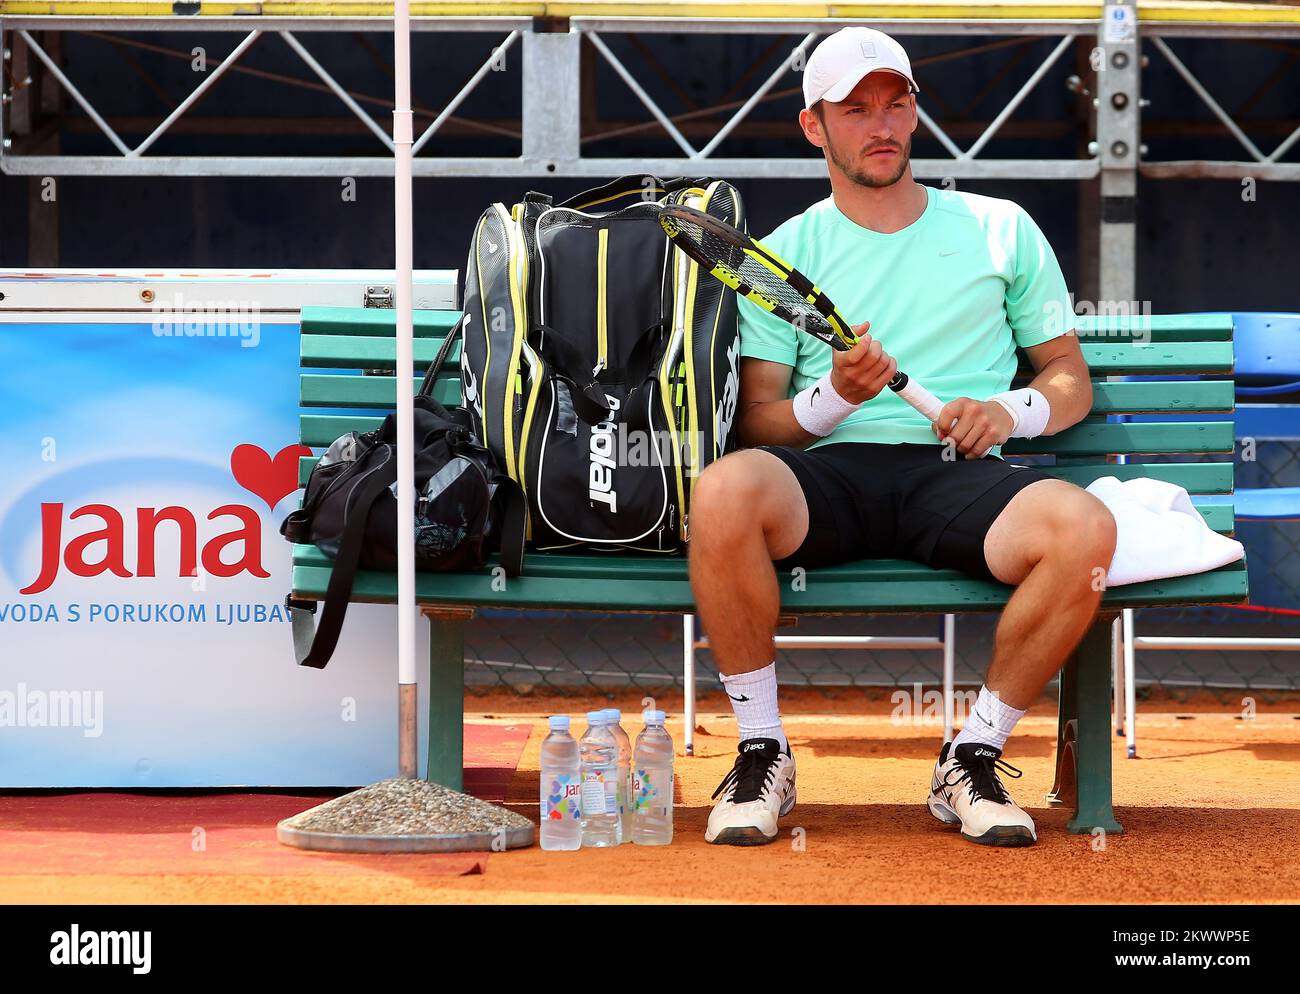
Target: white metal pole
<point>1130,685</point>
<point>688,679</point>
<point>406,614</point>
<point>1117,664</point>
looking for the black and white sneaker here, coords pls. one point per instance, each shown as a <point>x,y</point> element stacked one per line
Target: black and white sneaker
<point>758,790</point>
<point>967,791</point>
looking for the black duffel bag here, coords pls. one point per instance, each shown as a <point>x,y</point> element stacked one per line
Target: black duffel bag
<point>466,508</point>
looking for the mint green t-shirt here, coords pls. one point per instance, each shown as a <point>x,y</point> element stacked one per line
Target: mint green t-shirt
<point>950,297</point>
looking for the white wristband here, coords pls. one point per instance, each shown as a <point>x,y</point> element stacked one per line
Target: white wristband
<point>1029,411</point>
<point>818,408</point>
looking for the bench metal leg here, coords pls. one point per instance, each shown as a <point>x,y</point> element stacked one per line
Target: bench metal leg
<point>446,699</point>
<point>1083,767</point>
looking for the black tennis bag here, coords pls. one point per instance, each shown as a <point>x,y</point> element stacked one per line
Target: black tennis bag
<point>465,508</point>
<point>600,365</point>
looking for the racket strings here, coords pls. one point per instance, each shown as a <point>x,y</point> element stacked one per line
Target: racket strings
<point>797,309</point>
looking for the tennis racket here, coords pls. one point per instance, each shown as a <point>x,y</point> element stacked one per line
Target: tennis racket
<point>760,275</point>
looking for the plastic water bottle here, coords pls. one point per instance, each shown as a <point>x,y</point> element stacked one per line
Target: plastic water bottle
<point>599,750</point>
<point>624,774</point>
<point>561,783</point>
<point>652,784</point>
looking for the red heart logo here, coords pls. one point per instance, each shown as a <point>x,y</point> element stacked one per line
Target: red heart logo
<point>271,479</point>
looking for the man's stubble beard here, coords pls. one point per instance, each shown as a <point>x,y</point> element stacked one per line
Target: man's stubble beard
<point>864,179</point>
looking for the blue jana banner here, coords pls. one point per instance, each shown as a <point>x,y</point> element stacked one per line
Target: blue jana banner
<point>143,641</point>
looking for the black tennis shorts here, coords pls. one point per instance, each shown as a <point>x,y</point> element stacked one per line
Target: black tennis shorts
<point>868,500</point>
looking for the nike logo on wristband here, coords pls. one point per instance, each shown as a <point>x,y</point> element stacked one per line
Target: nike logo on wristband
<point>1029,401</point>
<point>815,393</point>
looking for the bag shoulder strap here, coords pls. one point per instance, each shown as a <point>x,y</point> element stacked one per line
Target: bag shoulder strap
<point>514,525</point>
<point>315,649</point>
<point>632,186</point>
<point>426,387</point>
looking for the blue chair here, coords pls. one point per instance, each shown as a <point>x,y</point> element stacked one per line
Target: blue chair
<point>1267,348</point>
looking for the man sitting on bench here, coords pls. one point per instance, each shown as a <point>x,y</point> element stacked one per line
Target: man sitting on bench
<point>952,283</point>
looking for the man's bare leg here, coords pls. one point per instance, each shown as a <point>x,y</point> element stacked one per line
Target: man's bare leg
<point>1054,542</point>
<point>747,511</point>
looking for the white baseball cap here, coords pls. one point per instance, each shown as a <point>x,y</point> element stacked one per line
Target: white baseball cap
<point>846,58</point>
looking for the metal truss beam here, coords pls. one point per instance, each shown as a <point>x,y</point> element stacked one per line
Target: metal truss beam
<point>792,168</point>
<point>910,26</point>
<point>1284,172</point>
<point>1224,117</point>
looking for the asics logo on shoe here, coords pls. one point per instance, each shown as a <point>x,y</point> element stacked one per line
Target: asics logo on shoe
<point>986,752</point>
<point>751,746</point>
<point>739,700</point>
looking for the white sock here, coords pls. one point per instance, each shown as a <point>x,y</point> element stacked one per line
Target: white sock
<point>990,722</point>
<point>753,699</point>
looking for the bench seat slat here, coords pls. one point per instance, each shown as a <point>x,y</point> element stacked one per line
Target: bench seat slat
<point>372,392</point>
<point>1161,327</point>
<point>826,593</point>
<point>1191,396</point>
<point>1112,358</point>
<point>1095,438</point>
<point>1194,477</point>
<point>355,352</point>
<point>641,566</point>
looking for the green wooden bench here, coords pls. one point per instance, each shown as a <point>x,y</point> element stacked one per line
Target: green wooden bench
<point>1181,349</point>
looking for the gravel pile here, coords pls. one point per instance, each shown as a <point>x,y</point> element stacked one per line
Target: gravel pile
<point>406,807</point>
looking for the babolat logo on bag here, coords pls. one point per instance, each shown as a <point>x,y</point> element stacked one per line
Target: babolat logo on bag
<point>602,460</point>
<point>598,360</point>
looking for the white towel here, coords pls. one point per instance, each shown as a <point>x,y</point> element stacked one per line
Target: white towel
<point>1159,532</point>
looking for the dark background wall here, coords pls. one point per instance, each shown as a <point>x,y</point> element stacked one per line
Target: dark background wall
<point>1200,247</point>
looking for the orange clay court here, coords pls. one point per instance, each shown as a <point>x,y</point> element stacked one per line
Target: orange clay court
<point>1209,811</point>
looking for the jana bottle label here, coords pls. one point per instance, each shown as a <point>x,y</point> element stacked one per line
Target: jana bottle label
<point>599,796</point>
<point>652,792</point>
<point>561,800</point>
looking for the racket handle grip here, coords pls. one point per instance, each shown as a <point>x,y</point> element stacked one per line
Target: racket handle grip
<point>916,395</point>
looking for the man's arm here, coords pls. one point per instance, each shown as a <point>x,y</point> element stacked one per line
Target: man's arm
<point>1061,376</point>
<point>767,412</point>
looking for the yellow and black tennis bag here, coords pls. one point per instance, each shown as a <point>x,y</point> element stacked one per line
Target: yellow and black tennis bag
<point>599,363</point>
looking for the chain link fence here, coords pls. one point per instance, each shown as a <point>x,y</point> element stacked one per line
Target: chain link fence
<point>576,652</point>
